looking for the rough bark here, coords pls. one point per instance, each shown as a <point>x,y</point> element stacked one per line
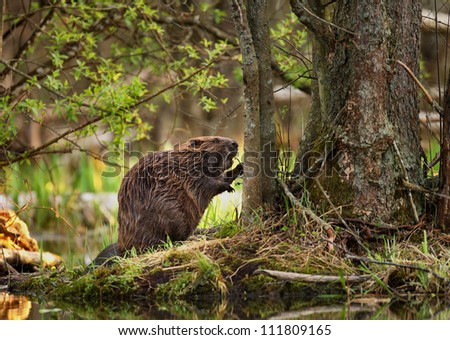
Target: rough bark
<point>252,185</point>
<point>257,18</point>
<point>2,11</point>
<point>361,103</point>
<point>260,158</point>
<point>443,216</point>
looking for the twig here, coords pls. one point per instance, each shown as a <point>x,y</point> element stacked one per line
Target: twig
<point>430,100</point>
<point>226,116</point>
<point>185,79</point>
<point>58,215</point>
<point>406,177</point>
<point>434,161</point>
<point>374,226</point>
<point>7,266</point>
<point>415,187</point>
<point>328,228</point>
<point>75,144</point>
<point>196,21</point>
<point>26,76</point>
<point>35,34</point>
<point>399,265</point>
<point>348,230</point>
<point>327,197</point>
<point>308,278</point>
<point>37,150</point>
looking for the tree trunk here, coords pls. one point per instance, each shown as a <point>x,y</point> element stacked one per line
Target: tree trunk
<point>443,216</point>
<point>363,105</point>
<point>252,186</point>
<point>257,18</point>
<point>259,131</point>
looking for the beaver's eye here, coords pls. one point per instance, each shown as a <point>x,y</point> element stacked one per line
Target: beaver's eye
<point>216,140</point>
<point>195,143</point>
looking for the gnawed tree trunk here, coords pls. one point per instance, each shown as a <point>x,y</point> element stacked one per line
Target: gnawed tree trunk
<point>250,21</point>
<point>362,103</point>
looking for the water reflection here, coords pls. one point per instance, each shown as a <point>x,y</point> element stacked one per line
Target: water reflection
<point>16,307</point>
<point>13,307</point>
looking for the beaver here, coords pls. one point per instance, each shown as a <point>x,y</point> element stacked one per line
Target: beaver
<point>166,193</point>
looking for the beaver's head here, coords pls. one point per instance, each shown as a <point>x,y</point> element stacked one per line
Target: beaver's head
<point>219,151</point>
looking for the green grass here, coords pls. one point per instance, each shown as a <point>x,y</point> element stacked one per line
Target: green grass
<point>223,209</point>
<point>432,148</point>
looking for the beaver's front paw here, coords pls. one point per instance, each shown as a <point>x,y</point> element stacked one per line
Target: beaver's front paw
<point>239,169</point>
<point>229,188</point>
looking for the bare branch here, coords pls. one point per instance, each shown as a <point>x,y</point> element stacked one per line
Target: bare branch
<point>430,100</point>
<point>185,79</point>
<point>33,258</point>
<point>308,278</point>
<point>39,29</point>
<point>197,21</point>
<point>400,265</point>
<point>38,150</point>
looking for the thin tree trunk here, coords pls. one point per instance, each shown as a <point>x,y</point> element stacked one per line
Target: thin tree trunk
<point>257,18</point>
<point>443,216</point>
<point>2,12</point>
<point>362,103</point>
<point>252,186</point>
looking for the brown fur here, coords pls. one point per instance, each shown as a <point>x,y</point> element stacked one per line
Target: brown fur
<point>166,193</point>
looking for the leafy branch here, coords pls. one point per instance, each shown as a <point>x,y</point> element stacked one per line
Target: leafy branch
<point>38,150</point>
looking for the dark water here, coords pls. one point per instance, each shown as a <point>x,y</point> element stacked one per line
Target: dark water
<point>16,307</point>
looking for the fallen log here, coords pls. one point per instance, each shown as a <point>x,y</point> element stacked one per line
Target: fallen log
<point>18,250</point>
<point>19,258</point>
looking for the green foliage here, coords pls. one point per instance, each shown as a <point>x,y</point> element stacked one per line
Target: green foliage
<point>228,229</point>
<point>290,51</point>
<point>432,149</point>
<point>96,55</point>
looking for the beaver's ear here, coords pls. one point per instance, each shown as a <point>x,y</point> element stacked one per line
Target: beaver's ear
<point>195,143</point>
